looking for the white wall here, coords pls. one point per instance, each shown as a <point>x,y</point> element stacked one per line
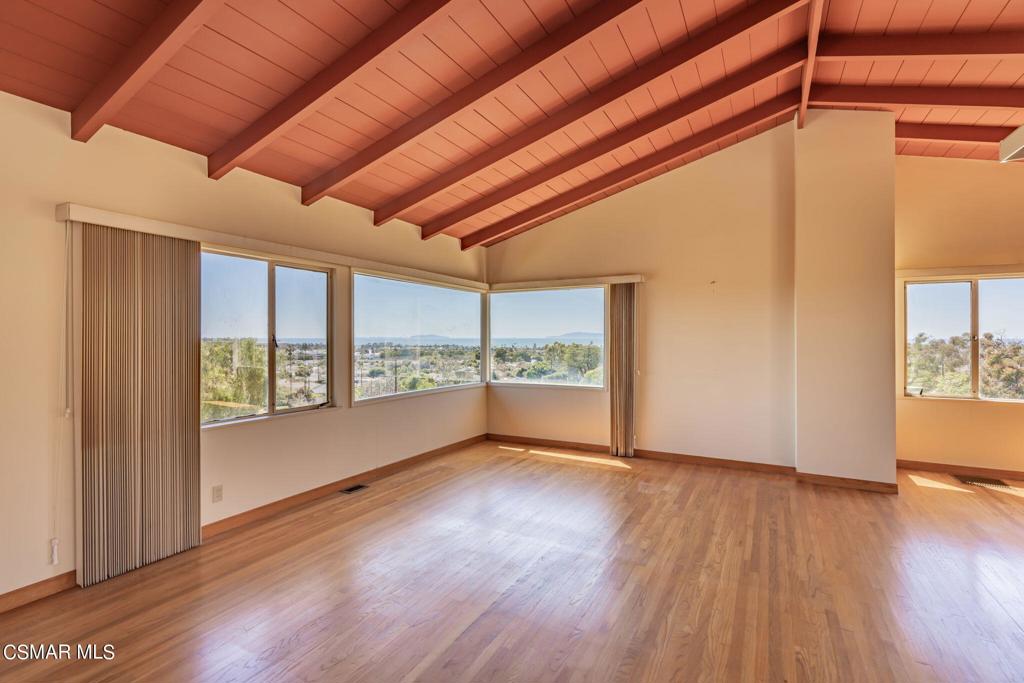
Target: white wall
<point>958,213</point>
<point>845,311</point>
<point>256,462</point>
<point>715,241</point>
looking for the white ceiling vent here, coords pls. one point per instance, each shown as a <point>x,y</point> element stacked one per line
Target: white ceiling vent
<point>1012,148</point>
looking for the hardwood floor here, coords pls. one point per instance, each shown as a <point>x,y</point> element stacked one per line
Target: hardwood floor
<point>509,563</point>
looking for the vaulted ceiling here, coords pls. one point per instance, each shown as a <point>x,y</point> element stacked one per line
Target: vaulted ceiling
<point>482,119</point>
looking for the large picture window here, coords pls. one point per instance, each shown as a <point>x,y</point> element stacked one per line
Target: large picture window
<point>551,336</point>
<point>966,338</point>
<point>409,336</point>
<point>262,319</point>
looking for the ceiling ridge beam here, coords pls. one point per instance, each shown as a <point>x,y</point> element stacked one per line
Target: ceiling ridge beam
<point>777,106</point>
<point>534,55</point>
<point>813,30</point>
<point>917,96</point>
<point>309,96</point>
<point>941,132</point>
<point>737,24</point>
<point>781,62</point>
<point>848,48</point>
<point>160,41</point>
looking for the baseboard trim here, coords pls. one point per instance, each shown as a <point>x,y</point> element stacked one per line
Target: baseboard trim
<point>769,468</point>
<point>37,591</point>
<point>550,443</point>
<point>262,512</point>
<point>704,461</point>
<point>965,470</point>
<point>847,483</point>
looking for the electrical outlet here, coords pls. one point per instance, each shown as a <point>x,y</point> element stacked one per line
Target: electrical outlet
<point>218,493</point>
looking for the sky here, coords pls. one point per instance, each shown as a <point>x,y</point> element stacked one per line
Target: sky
<point>393,308</point>
<point>547,314</point>
<point>234,294</point>
<point>234,304</point>
<point>943,309</point>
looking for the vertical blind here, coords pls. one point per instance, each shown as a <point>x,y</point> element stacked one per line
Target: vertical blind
<point>140,399</point>
<point>622,367</point>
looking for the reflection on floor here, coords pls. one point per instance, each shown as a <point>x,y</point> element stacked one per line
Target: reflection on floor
<point>506,562</point>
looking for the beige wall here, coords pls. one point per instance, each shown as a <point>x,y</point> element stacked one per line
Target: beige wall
<point>956,213</point>
<point>714,240</point>
<point>256,462</point>
<point>845,216</point>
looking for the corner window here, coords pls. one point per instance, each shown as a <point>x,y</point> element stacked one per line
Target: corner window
<point>262,319</point>
<point>409,336</point>
<point>551,336</point>
<point>965,339</point>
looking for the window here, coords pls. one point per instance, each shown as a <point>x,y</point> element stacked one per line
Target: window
<point>1001,327</point>
<point>939,339</point>
<point>551,336</point>
<point>966,339</point>
<point>241,321</point>
<point>410,337</point>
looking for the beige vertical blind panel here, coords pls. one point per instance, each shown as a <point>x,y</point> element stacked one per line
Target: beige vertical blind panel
<point>140,399</point>
<point>622,370</point>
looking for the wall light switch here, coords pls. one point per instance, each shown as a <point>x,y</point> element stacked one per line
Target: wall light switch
<point>218,493</point>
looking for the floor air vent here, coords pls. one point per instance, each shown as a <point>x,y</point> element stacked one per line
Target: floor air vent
<point>354,489</point>
<point>983,482</point>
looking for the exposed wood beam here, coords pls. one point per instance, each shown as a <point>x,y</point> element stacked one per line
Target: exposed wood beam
<point>914,96</point>
<point>847,48</point>
<point>934,132</point>
<point>813,29</point>
<point>599,15</point>
<point>774,66</point>
<point>776,107</point>
<point>308,97</point>
<point>735,25</point>
<point>157,44</point>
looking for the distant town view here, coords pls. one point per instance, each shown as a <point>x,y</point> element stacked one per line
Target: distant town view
<point>574,358</point>
<point>385,366</point>
<point>234,376</point>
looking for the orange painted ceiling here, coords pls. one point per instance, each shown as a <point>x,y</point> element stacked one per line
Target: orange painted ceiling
<point>484,118</point>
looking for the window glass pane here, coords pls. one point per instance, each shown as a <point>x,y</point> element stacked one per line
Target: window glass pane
<point>939,339</point>
<point>548,337</point>
<point>234,337</point>
<point>411,337</point>
<point>300,320</point>
<point>1001,326</point>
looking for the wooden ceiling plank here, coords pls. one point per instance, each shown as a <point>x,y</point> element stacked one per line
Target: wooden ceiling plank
<point>849,48</point>
<point>526,60</point>
<point>952,133</point>
<point>813,31</point>
<point>311,94</point>
<point>711,39</point>
<point>780,105</point>
<point>897,96</point>
<point>154,48</point>
<point>781,62</point>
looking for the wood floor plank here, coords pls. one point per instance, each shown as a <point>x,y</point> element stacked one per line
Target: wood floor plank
<point>527,563</point>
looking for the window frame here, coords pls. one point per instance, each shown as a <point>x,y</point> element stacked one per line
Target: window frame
<point>271,264</point>
<point>606,331</point>
<point>975,333</point>
<point>384,275</point>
